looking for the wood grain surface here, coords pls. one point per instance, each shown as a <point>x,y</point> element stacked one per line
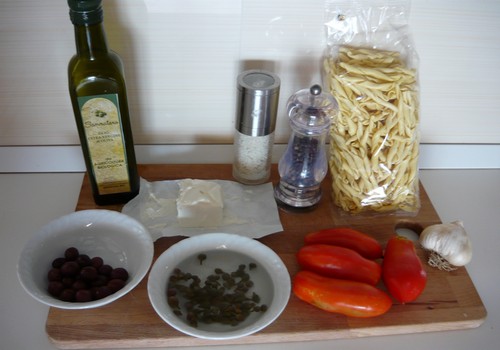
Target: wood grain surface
<point>449,302</point>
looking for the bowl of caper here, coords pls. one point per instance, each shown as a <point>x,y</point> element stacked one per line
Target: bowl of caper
<point>85,259</point>
<point>219,286</point>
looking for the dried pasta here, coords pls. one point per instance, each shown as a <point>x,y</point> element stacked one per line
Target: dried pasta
<point>374,143</point>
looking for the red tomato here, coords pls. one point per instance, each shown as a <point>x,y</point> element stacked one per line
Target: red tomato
<point>338,262</point>
<point>345,237</point>
<point>349,298</point>
<point>402,270</point>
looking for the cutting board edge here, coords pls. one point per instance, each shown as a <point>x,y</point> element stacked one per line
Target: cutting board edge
<point>184,341</point>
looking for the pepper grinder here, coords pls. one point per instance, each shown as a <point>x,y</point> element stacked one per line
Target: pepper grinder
<point>304,165</point>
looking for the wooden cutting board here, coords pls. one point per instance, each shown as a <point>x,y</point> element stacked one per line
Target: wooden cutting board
<point>450,300</point>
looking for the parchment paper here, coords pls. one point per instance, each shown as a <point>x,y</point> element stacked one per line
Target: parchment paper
<point>249,211</point>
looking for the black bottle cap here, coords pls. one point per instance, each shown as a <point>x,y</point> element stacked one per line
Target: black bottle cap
<point>83,12</point>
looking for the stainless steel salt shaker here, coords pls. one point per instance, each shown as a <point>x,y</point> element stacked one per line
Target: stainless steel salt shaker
<point>257,105</point>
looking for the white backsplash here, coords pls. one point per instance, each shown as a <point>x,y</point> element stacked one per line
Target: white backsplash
<point>182,59</point>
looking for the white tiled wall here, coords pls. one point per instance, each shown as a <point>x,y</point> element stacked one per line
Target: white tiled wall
<point>182,58</point>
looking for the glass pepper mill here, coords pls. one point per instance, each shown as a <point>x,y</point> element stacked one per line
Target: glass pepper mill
<point>304,165</point>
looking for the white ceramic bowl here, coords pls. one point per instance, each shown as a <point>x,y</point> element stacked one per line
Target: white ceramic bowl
<point>226,251</point>
<point>118,239</point>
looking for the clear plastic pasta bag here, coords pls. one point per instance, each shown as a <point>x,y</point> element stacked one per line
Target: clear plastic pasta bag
<point>370,66</point>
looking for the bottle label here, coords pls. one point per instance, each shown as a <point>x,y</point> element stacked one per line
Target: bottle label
<point>103,132</point>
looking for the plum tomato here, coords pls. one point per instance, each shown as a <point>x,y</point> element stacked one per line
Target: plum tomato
<point>346,237</point>
<point>350,298</point>
<point>338,262</point>
<point>402,270</point>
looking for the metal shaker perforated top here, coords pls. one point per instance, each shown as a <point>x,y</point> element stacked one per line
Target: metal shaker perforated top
<point>257,105</point>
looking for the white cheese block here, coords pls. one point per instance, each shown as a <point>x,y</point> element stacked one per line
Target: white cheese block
<point>199,203</point>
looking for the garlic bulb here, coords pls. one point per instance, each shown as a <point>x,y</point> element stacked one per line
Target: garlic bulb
<point>449,245</point>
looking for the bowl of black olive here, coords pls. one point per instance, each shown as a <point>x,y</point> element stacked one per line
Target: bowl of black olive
<point>219,286</point>
<point>85,259</point>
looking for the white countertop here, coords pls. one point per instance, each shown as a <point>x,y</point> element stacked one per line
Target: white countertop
<point>31,200</point>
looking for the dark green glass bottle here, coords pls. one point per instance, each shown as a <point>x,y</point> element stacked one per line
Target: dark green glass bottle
<point>99,98</point>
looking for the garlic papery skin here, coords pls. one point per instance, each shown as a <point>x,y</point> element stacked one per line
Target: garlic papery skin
<point>450,242</point>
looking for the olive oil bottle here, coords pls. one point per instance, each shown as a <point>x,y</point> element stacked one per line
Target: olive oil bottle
<point>99,98</point>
